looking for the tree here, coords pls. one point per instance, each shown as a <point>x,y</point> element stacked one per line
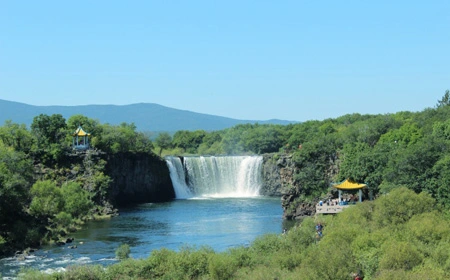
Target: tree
<point>400,205</point>
<point>47,199</point>
<point>76,200</point>
<point>123,252</point>
<point>189,141</point>
<point>17,136</point>
<point>412,166</point>
<point>445,100</point>
<point>122,138</point>
<point>164,141</point>
<point>89,125</point>
<point>15,176</point>
<point>49,129</point>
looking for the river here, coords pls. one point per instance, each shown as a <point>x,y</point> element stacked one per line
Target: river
<point>220,223</point>
<point>218,205</point>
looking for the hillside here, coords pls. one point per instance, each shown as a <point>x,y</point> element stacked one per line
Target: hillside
<point>146,116</point>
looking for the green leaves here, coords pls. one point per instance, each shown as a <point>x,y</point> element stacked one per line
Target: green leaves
<point>163,141</point>
<point>400,205</point>
<point>47,199</point>
<point>49,129</point>
<point>122,138</point>
<point>123,252</point>
<point>445,100</point>
<point>76,199</point>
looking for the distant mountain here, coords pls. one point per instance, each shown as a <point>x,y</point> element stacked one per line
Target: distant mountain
<point>146,116</point>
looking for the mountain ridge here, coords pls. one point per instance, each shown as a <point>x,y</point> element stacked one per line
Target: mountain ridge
<point>146,116</point>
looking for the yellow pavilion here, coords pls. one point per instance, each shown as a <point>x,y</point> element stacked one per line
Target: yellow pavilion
<point>350,185</point>
<point>81,139</point>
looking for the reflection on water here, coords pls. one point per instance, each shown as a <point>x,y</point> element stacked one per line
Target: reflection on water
<point>219,223</point>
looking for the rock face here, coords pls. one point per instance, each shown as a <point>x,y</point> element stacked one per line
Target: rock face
<point>138,178</point>
<point>277,174</point>
<point>278,180</point>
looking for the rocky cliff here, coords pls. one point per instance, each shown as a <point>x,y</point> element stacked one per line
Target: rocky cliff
<point>138,178</point>
<point>278,180</point>
<point>277,174</point>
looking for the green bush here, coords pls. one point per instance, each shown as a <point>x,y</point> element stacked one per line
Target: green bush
<point>123,252</point>
<point>222,266</point>
<point>63,219</point>
<point>192,262</point>
<point>47,199</point>
<point>242,256</point>
<point>400,255</point>
<point>130,269</point>
<point>267,244</point>
<point>76,199</point>
<point>161,261</point>
<point>400,205</point>
<point>88,272</point>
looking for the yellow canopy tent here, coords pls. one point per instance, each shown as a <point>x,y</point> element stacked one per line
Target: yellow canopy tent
<point>350,185</point>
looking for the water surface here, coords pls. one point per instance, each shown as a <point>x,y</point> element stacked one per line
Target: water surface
<point>220,223</point>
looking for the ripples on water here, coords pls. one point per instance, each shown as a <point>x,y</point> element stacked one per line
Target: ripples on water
<point>220,223</point>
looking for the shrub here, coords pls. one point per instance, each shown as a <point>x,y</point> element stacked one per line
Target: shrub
<point>88,272</point>
<point>399,255</point>
<point>123,252</point>
<point>222,266</point>
<point>400,205</point>
<point>63,219</point>
<point>130,269</point>
<point>266,244</point>
<point>193,262</point>
<point>77,201</point>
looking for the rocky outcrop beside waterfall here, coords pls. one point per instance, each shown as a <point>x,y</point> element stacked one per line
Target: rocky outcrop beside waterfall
<point>138,178</point>
<point>278,174</point>
<point>278,180</point>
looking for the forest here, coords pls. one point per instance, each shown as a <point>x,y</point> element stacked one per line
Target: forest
<point>403,158</point>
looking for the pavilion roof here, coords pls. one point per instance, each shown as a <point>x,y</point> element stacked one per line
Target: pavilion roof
<point>81,132</point>
<point>349,185</point>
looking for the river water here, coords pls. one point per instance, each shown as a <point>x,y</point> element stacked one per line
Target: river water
<point>218,205</point>
<point>220,223</point>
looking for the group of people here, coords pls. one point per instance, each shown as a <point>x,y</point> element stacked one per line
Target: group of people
<point>330,202</point>
<point>335,202</point>
<point>319,228</point>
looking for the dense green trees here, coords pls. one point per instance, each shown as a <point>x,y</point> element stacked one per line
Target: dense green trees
<point>17,137</point>
<point>48,129</point>
<point>15,180</point>
<point>43,191</point>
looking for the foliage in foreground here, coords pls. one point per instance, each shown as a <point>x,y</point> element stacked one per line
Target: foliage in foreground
<point>401,235</point>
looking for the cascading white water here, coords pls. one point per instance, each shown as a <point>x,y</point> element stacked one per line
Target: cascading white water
<point>224,176</point>
<point>178,178</point>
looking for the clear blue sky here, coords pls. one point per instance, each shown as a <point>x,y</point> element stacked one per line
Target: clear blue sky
<point>292,60</point>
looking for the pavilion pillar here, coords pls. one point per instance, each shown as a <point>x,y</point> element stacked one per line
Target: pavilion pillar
<point>340,195</point>
<point>360,195</point>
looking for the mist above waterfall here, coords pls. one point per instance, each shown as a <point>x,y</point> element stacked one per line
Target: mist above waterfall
<point>223,176</point>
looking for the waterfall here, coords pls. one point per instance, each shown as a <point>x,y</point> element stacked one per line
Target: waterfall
<point>177,176</point>
<point>223,176</point>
